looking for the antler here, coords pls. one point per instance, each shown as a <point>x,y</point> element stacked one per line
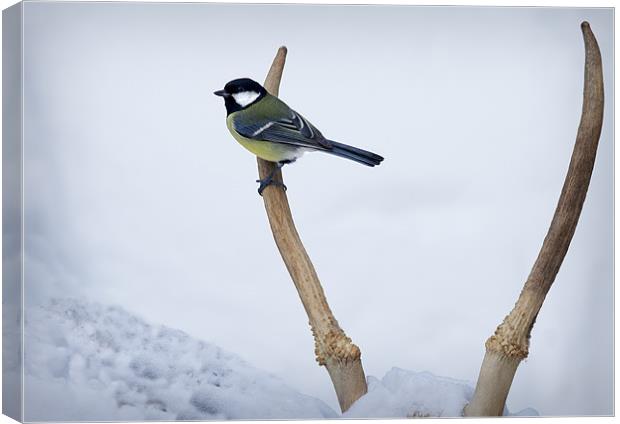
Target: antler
<point>509,345</point>
<point>333,348</point>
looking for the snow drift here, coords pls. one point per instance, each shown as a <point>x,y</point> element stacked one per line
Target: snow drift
<point>88,362</point>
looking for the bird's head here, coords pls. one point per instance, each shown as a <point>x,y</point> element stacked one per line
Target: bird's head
<point>241,93</point>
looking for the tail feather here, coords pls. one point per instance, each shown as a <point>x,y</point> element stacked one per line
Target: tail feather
<point>358,155</point>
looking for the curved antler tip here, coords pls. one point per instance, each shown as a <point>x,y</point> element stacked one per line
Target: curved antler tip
<point>283,49</point>
<point>585,25</point>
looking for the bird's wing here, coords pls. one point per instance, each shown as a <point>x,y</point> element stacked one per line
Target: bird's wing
<point>286,126</point>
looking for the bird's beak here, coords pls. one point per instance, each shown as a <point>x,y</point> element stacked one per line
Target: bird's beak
<point>221,93</point>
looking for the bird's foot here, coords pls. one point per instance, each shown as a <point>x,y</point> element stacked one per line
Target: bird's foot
<point>267,182</point>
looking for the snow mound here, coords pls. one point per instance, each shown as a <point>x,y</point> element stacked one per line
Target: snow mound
<point>88,362</point>
<point>407,394</point>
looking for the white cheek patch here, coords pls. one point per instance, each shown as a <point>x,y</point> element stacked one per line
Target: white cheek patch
<point>245,97</point>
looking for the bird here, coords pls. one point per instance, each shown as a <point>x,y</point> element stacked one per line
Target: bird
<point>267,127</point>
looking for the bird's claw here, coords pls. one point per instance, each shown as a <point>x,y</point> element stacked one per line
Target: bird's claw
<point>264,184</point>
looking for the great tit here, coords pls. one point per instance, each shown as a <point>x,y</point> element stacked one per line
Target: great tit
<point>271,130</point>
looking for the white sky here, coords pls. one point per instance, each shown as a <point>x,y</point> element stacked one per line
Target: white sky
<point>137,195</point>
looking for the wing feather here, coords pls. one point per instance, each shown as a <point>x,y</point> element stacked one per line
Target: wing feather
<point>290,128</point>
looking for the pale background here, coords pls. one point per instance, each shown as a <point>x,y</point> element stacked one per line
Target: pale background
<point>136,194</point>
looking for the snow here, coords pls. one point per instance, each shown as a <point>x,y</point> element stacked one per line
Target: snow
<point>407,394</point>
<point>89,362</point>
<point>404,393</point>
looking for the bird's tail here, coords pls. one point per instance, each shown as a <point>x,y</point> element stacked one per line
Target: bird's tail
<point>353,153</point>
